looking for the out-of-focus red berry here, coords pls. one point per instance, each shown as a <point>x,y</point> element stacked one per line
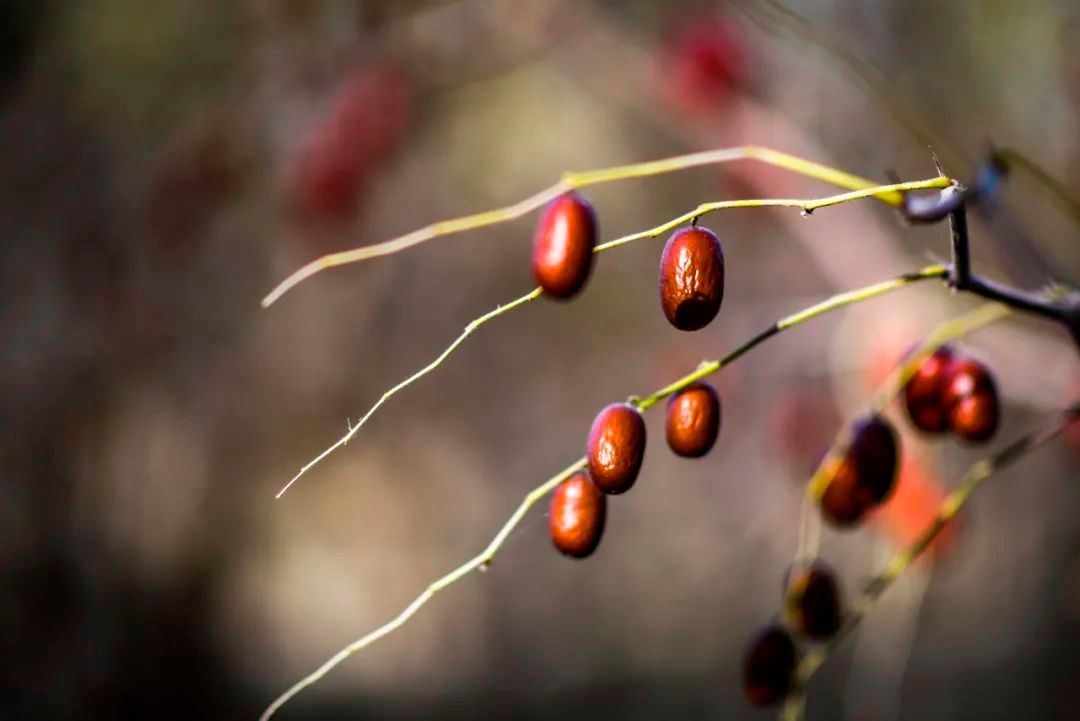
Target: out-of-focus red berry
<point>812,602</point>
<point>971,399</point>
<point>768,666</point>
<point>924,394</point>
<point>365,123</point>
<point>864,476</point>
<point>703,62</point>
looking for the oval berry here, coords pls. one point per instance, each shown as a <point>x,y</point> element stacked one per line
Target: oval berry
<point>874,448</point>
<point>924,393</point>
<point>691,278</point>
<point>865,475</point>
<point>563,245</point>
<point>769,666</point>
<point>576,517</point>
<point>845,501</point>
<point>693,420</point>
<point>615,447</point>
<point>971,399</point>
<point>813,602</point>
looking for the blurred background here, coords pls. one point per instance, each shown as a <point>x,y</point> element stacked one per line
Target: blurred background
<point>165,164</point>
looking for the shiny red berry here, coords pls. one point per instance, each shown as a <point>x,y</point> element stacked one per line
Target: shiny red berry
<point>813,602</point>
<point>576,517</point>
<point>971,399</point>
<point>616,447</point>
<point>691,278</point>
<point>924,393</point>
<point>769,666</point>
<point>693,420</point>
<point>864,476</point>
<point>563,245</point>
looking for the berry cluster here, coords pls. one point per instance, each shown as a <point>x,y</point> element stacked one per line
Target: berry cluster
<point>813,610</point>
<point>948,391</point>
<point>691,291</point>
<point>951,392</point>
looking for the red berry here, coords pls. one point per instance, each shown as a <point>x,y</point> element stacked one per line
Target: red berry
<point>616,447</point>
<point>769,666</point>
<point>875,449</point>
<point>845,501</point>
<point>365,122</point>
<point>703,65</point>
<point>693,420</point>
<point>971,399</point>
<point>865,475</point>
<point>563,245</point>
<point>692,278</point>
<point>813,602</point>
<point>577,514</point>
<point>925,391</point>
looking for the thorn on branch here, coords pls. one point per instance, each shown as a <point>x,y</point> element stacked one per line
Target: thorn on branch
<point>922,209</point>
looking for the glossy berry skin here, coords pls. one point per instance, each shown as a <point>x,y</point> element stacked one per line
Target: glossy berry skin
<point>615,448</point>
<point>924,393</point>
<point>769,666</point>
<point>576,517</point>
<point>865,475</point>
<point>693,420</point>
<point>563,245</point>
<point>971,398</point>
<point>813,602</point>
<point>691,278</point>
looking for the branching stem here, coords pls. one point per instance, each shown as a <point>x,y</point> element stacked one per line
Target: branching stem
<point>704,209</point>
<point>572,181</point>
<point>487,556</point>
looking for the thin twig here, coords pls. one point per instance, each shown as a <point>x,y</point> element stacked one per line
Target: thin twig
<point>485,557</point>
<point>581,180</point>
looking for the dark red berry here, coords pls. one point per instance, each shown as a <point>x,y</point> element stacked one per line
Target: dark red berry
<point>693,420</point>
<point>971,399</point>
<point>769,666</point>
<point>691,278</point>
<point>703,65</point>
<point>924,394</point>
<point>864,476</point>
<point>563,245</point>
<point>813,602</point>
<point>365,123</point>
<point>845,501</point>
<point>577,514</point>
<point>616,447</point>
<point>874,448</point>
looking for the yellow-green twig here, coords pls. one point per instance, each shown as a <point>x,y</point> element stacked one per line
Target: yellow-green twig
<point>581,180</point>
<point>807,206</point>
<point>486,556</point>
<point>355,428</point>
